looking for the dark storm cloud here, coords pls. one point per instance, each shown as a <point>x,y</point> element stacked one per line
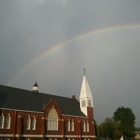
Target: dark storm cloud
<point>29,27</point>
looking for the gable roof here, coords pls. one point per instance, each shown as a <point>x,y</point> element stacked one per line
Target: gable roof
<point>20,99</point>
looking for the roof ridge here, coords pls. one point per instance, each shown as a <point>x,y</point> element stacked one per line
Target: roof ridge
<point>14,88</point>
<point>34,93</point>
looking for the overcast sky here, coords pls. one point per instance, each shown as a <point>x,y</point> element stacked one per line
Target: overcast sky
<point>51,41</point>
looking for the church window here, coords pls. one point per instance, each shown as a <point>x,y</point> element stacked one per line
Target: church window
<point>28,122</point>
<point>83,103</point>
<point>68,125</point>
<point>34,123</point>
<point>89,102</point>
<point>84,126</point>
<point>8,122</point>
<point>1,121</point>
<point>72,125</point>
<point>87,126</point>
<point>52,120</point>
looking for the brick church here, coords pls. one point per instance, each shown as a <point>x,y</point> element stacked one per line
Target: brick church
<point>31,115</point>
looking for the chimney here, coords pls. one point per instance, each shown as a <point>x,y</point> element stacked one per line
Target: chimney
<point>73,96</point>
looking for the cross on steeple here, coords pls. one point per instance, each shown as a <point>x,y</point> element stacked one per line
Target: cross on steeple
<point>84,71</point>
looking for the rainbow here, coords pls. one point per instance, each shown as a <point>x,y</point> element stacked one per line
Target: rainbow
<point>64,43</point>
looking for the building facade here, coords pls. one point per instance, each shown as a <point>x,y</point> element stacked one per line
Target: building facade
<point>32,115</point>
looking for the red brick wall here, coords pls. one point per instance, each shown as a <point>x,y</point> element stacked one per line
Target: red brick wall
<point>18,122</point>
<point>5,114</point>
<point>91,119</point>
<point>21,120</point>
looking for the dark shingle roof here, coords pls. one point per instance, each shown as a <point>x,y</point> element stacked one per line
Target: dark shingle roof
<point>14,98</point>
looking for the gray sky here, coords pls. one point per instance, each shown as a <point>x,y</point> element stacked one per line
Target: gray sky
<point>51,41</point>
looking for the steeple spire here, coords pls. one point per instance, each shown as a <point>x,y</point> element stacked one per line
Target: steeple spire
<point>86,99</point>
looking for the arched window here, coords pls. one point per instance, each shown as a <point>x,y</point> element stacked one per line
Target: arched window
<point>52,120</point>
<point>89,102</point>
<point>1,121</point>
<point>34,123</point>
<point>84,126</point>
<point>87,126</point>
<point>72,125</point>
<point>83,103</point>
<point>8,122</point>
<point>28,123</point>
<point>68,127</point>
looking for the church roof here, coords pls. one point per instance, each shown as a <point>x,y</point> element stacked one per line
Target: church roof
<point>19,99</point>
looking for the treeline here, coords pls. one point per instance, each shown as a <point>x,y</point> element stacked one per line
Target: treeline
<point>122,123</point>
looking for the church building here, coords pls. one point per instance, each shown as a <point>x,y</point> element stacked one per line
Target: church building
<point>30,115</point>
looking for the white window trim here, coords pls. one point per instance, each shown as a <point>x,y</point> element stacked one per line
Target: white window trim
<point>83,103</point>
<point>2,126</point>
<point>34,123</point>
<point>87,126</point>
<point>9,121</point>
<point>84,126</point>
<point>72,125</point>
<point>68,125</point>
<point>29,123</point>
<point>89,103</point>
<point>52,121</point>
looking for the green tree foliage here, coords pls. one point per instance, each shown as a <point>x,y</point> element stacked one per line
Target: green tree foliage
<point>96,129</point>
<point>127,121</point>
<point>110,129</point>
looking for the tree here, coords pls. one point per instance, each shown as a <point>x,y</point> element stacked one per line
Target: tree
<point>96,129</point>
<point>109,128</point>
<point>127,119</point>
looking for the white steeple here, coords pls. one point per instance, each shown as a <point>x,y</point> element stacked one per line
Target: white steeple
<point>86,99</point>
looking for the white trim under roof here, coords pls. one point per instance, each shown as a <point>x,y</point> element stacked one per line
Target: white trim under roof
<point>22,110</point>
<point>75,116</point>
